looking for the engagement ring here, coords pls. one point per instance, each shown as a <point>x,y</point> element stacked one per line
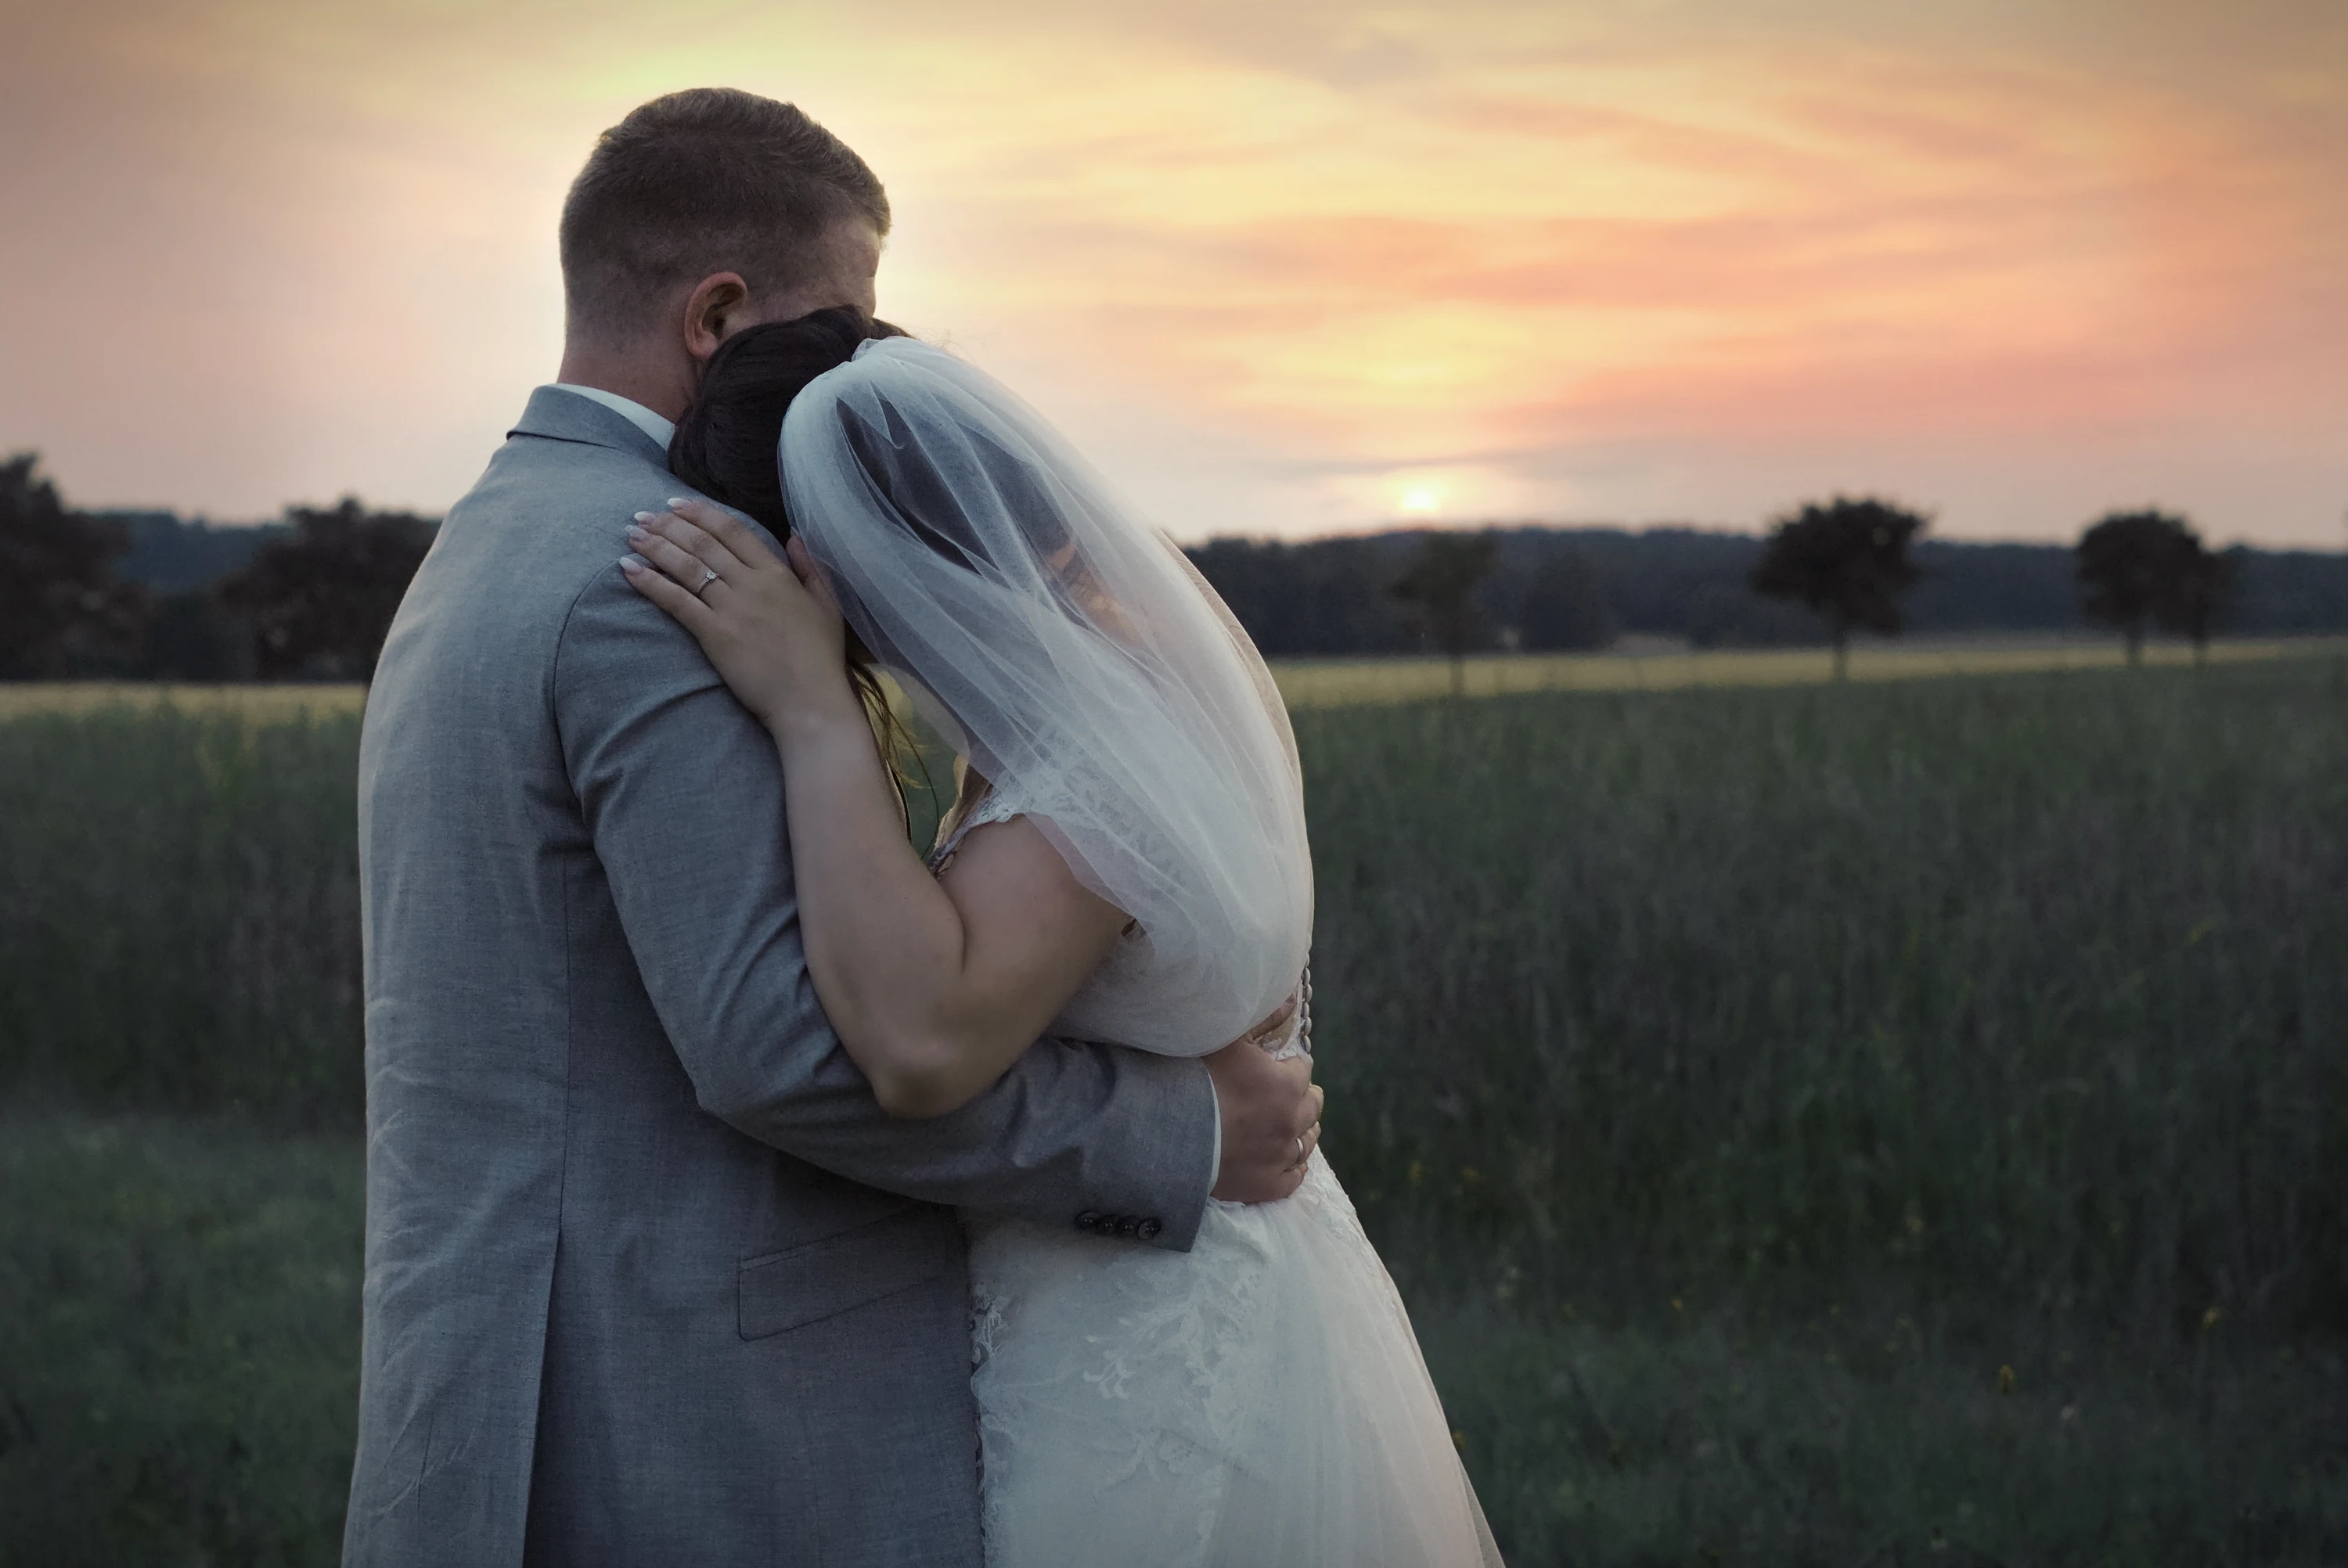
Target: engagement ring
<point>707,576</point>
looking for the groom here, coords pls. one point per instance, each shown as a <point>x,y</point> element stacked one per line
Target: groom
<point>650,1278</point>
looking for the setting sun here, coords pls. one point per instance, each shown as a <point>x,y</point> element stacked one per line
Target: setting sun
<point>1628,262</point>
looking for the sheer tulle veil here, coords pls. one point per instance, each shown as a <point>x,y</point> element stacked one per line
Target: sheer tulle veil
<point>1072,653</point>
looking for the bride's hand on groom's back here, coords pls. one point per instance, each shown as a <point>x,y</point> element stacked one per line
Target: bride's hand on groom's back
<point>1272,1116</point>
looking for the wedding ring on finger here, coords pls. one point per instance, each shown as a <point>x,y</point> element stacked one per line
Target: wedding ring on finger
<point>707,576</point>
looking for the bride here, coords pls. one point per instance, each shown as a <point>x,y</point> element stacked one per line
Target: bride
<point>1126,861</point>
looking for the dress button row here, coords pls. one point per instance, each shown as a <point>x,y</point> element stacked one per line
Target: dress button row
<point>1135,1227</point>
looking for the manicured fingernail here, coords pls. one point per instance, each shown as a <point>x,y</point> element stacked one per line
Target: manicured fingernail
<point>645,516</point>
<point>630,565</point>
<point>637,536</point>
<point>676,501</point>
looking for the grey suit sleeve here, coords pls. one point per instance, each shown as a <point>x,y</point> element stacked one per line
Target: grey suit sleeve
<point>682,795</point>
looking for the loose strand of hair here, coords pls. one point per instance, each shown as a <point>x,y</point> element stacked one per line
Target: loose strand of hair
<point>900,752</point>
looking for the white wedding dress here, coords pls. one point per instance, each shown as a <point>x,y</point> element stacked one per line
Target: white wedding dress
<point>1259,1401</point>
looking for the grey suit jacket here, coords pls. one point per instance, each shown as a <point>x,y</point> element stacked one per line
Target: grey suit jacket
<point>650,1278</point>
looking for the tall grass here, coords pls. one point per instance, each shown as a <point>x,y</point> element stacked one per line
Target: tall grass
<point>179,914</point>
<point>2034,983</point>
<point>179,1341</point>
<point>1876,1436</point>
<point>1900,1123</point>
<point>2037,987</point>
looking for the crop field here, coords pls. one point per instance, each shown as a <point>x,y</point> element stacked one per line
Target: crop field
<point>260,703</point>
<point>1346,682</point>
<point>1902,1121</point>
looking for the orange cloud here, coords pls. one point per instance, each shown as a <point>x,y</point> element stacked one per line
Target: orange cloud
<point>1283,270</point>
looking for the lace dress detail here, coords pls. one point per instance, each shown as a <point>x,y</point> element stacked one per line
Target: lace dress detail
<point>993,806</point>
<point>1260,1399</point>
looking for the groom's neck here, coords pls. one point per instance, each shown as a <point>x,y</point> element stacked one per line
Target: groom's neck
<point>650,379</point>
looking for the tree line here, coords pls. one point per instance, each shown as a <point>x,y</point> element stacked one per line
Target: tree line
<point>150,596</point>
<point>1824,572</point>
<point>311,597</point>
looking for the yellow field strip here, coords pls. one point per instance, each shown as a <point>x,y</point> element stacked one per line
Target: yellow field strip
<point>255,702</point>
<point>1342,682</point>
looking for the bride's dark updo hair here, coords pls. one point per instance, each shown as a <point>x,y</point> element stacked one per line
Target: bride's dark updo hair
<point>724,446</point>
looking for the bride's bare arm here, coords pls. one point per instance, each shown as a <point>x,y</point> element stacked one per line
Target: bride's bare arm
<point>935,984</point>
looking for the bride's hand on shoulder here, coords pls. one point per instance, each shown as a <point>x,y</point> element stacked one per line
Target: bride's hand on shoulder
<point>769,624</point>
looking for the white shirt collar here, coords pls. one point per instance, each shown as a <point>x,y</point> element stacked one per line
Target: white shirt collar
<point>635,413</point>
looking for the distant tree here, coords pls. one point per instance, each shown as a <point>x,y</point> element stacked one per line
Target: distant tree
<point>2200,589</point>
<point>1847,560</point>
<point>60,602</point>
<point>1565,606</point>
<point>2135,568</point>
<point>321,599</point>
<point>1440,588</point>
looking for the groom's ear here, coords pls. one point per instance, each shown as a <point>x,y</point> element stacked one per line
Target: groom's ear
<point>713,311</point>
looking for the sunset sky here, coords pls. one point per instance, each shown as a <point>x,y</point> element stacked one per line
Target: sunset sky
<point>1282,268</point>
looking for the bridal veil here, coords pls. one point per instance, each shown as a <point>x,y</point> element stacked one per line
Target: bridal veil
<point>1071,652</point>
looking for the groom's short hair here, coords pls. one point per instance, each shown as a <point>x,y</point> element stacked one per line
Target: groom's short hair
<point>707,180</point>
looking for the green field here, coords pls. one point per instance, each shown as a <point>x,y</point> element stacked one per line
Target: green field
<point>1899,1122</point>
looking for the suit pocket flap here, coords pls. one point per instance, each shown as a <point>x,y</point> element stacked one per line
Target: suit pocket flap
<point>808,1283</point>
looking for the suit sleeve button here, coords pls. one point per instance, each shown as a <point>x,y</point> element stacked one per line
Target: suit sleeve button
<point>1089,1219</point>
<point>1126,1226</point>
<point>1148,1229</point>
